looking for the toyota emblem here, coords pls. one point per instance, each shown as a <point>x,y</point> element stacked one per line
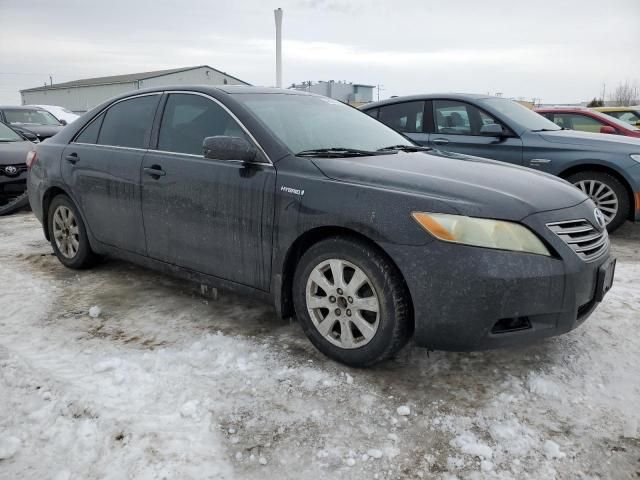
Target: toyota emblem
<point>600,220</point>
<point>10,170</point>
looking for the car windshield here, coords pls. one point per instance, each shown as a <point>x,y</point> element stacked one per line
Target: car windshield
<point>520,114</point>
<point>617,121</point>
<point>311,122</point>
<point>8,135</point>
<point>631,116</point>
<point>26,116</point>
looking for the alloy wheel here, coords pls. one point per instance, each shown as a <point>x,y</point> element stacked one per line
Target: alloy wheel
<point>66,232</point>
<point>602,195</point>
<point>342,303</point>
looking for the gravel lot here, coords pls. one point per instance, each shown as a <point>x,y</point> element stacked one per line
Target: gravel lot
<point>159,382</point>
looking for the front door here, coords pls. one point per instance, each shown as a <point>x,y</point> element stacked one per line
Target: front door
<point>211,216</point>
<point>457,129</point>
<point>102,167</point>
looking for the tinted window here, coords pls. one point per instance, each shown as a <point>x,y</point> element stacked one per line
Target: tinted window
<point>189,119</point>
<point>372,113</point>
<point>452,118</point>
<point>404,117</point>
<point>128,123</point>
<point>575,121</point>
<point>90,133</point>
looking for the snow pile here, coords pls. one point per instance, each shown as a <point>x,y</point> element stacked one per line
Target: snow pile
<point>95,311</point>
<point>9,446</point>
<point>552,450</point>
<point>403,411</point>
<point>470,445</point>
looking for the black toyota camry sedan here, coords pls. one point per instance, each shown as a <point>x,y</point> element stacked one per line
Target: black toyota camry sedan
<point>13,169</point>
<point>338,220</point>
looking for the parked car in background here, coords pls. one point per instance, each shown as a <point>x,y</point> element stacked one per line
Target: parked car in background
<point>32,122</point>
<point>61,113</point>
<point>13,169</point>
<point>605,167</point>
<point>306,202</point>
<point>631,115</point>
<point>587,120</point>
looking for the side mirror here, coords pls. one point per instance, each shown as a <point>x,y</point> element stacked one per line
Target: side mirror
<point>229,148</point>
<point>492,130</point>
<point>63,122</point>
<point>608,129</point>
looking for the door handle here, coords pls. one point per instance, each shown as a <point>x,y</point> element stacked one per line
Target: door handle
<point>155,171</point>
<point>440,141</point>
<point>72,158</point>
<point>539,161</point>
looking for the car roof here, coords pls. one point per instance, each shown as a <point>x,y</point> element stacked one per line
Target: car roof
<point>428,96</point>
<point>21,107</point>
<point>617,109</point>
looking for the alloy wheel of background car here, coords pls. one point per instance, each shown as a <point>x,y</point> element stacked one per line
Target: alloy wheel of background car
<point>342,303</point>
<point>351,301</point>
<point>607,193</point>
<point>68,235</point>
<point>13,203</point>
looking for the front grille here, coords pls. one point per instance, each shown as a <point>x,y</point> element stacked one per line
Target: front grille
<point>582,237</point>
<point>13,170</point>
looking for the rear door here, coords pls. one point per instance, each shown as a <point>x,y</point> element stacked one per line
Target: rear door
<point>102,167</point>
<point>211,216</point>
<point>457,129</point>
<point>407,118</point>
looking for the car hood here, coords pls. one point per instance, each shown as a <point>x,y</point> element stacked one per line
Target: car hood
<point>593,141</point>
<point>42,131</point>
<point>469,185</point>
<point>14,153</point>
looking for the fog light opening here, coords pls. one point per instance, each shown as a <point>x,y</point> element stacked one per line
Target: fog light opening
<point>513,324</point>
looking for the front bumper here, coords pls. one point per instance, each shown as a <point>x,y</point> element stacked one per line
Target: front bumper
<point>12,183</point>
<point>463,296</point>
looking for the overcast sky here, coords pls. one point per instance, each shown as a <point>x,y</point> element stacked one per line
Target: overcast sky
<point>559,51</point>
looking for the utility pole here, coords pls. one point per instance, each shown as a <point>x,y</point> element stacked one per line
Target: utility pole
<point>50,80</point>
<point>379,87</point>
<point>278,16</point>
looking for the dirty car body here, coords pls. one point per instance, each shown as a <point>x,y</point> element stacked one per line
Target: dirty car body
<point>246,224</point>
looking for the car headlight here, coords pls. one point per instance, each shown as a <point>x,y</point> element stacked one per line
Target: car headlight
<point>481,232</point>
<point>636,157</point>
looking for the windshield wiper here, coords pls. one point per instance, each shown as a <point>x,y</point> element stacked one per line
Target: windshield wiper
<point>405,148</point>
<point>338,152</point>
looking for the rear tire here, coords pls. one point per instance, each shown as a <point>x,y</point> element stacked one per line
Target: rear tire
<point>68,234</point>
<point>607,192</point>
<point>352,302</point>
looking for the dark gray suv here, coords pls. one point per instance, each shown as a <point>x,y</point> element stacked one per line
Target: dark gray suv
<point>605,167</point>
<point>332,216</point>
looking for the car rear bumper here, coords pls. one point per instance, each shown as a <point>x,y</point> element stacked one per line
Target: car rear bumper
<point>469,298</point>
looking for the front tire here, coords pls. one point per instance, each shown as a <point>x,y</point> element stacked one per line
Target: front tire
<point>351,302</point>
<point>607,192</point>
<point>68,234</point>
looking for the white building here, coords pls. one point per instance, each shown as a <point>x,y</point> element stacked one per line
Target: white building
<point>352,93</point>
<point>82,95</point>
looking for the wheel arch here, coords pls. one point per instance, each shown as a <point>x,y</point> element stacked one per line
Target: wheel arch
<point>284,297</point>
<point>47,198</point>
<point>583,167</point>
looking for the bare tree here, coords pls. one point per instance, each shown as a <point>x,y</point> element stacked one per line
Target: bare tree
<point>625,94</point>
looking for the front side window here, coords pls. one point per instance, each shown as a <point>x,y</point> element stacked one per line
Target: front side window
<point>452,118</point>
<point>189,119</point>
<point>128,123</point>
<point>26,116</point>
<point>404,117</point>
<point>574,121</point>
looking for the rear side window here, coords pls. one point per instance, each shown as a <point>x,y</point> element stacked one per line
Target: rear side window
<point>404,117</point>
<point>372,113</point>
<point>90,133</point>
<point>188,119</point>
<point>128,123</point>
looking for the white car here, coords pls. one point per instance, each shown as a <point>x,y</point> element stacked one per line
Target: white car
<point>60,113</point>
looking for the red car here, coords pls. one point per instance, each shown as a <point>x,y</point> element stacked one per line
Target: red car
<point>586,120</point>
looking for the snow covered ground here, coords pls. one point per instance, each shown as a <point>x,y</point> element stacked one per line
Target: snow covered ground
<point>158,382</point>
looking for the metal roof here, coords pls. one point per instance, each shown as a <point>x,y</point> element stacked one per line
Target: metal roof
<point>128,78</point>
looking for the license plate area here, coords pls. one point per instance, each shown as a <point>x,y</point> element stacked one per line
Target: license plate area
<point>606,272</point>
